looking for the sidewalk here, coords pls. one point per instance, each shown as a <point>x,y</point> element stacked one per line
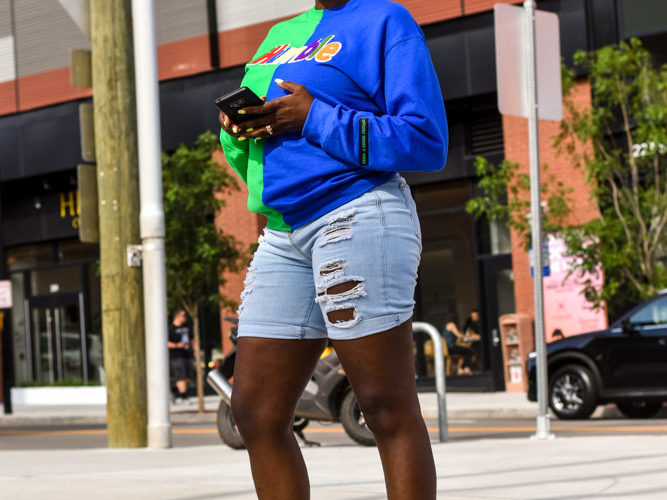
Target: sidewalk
<point>47,415</point>
<point>501,405</point>
<point>459,405</point>
<point>611,467</point>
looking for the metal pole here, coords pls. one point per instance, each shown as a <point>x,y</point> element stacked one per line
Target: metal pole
<point>543,426</point>
<point>152,223</point>
<point>431,331</point>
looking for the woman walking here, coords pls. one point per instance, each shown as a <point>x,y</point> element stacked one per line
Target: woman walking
<point>351,99</point>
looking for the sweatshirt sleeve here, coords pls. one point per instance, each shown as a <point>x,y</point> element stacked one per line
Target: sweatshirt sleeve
<point>236,154</point>
<point>412,135</point>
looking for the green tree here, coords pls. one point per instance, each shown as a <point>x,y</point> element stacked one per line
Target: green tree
<point>197,253</point>
<point>625,131</point>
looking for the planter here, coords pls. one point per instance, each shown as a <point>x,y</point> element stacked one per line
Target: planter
<point>37,396</point>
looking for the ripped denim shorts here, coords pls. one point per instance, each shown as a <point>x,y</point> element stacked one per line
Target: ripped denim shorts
<point>345,275</point>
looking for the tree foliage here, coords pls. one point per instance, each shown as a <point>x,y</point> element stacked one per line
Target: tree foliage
<point>505,196</point>
<point>625,133</point>
<point>197,253</point>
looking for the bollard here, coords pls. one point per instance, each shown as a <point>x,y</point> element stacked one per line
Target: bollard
<point>431,331</point>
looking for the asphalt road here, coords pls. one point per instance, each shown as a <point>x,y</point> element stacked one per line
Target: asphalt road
<point>186,435</point>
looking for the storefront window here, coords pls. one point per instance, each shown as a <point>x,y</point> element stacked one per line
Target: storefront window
<point>55,316</point>
<point>447,292</point>
<point>505,291</point>
<point>55,280</point>
<point>75,251</point>
<point>29,256</point>
<point>642,17</point>
<point>493,237</point>
<point>21,350</point>
<point>95,361</point>
<point>500,237</point>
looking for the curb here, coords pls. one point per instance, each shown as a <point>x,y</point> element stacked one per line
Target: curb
<point>209,417</point>
<point>48,421</point>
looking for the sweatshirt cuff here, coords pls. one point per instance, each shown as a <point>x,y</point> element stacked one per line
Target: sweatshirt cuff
<point>318,123</point>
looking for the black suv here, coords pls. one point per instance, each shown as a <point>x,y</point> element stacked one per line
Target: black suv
<point>625,364</point>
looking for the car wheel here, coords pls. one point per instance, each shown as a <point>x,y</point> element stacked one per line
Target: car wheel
<point>638,409</point>
<point>572,392</point>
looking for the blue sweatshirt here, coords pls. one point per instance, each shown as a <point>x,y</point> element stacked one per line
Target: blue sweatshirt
<point>377,110</point>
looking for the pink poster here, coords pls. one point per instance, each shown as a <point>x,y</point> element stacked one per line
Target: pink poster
<point>565,308</point>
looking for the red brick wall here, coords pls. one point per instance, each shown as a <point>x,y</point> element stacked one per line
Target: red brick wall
<point>515,131</point>
<point>474,6</point>
<point>235,219</point>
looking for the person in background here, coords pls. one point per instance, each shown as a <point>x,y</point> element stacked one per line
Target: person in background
<point>458,344</point>
<point>471,325</point>
<point>179,352</point>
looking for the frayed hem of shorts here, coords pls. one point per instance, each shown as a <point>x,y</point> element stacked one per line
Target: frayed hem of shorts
<point>281,332</point>
<point>368,327</point>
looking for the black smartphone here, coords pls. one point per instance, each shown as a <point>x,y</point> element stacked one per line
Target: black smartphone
<point>240,98</point>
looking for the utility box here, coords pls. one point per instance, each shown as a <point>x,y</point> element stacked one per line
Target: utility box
<point>517,339</point>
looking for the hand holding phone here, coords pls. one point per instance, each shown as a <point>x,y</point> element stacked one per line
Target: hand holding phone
<point>240,98</point>
<point>261,119</point>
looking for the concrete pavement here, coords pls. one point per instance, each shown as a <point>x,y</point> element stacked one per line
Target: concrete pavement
<point>613,467</point>
<point>604,467</point>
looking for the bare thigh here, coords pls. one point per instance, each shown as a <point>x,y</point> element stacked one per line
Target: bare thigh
<point>380,368</point>
<point>271,374</point>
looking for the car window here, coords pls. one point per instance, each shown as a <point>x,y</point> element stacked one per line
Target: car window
<point>653,314</point>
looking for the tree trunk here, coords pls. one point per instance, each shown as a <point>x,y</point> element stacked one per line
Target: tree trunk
<point>118,188</point>
<point>198,365</point>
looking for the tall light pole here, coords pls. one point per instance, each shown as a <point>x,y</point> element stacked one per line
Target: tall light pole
<point>543,426</point>
<point>152,223</point>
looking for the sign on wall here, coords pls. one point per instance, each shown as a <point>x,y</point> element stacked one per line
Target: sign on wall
<point>46,216</point>
<point>5,294</point>
<point>565,307</point>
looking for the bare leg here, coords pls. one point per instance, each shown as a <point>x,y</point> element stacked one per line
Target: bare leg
<point>381,370</point>
<point>269,377</point>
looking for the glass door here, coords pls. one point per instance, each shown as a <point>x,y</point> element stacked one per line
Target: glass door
<point>498,299</point>
<point>56,338</point>
<point>43,338</point>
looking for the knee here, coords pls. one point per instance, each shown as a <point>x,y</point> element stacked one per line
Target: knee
<point>387,416</point>
<point>257,419</point>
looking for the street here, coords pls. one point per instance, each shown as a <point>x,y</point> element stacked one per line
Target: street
<point>568,468</point>
<point>188,435</point>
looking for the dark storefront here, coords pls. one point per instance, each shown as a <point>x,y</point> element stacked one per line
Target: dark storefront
<point>55,319</point>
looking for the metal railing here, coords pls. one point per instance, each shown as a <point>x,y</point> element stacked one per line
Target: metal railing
<point>439,359</point>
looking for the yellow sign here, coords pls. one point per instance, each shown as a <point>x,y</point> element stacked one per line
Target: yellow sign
<point>70,206</point>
